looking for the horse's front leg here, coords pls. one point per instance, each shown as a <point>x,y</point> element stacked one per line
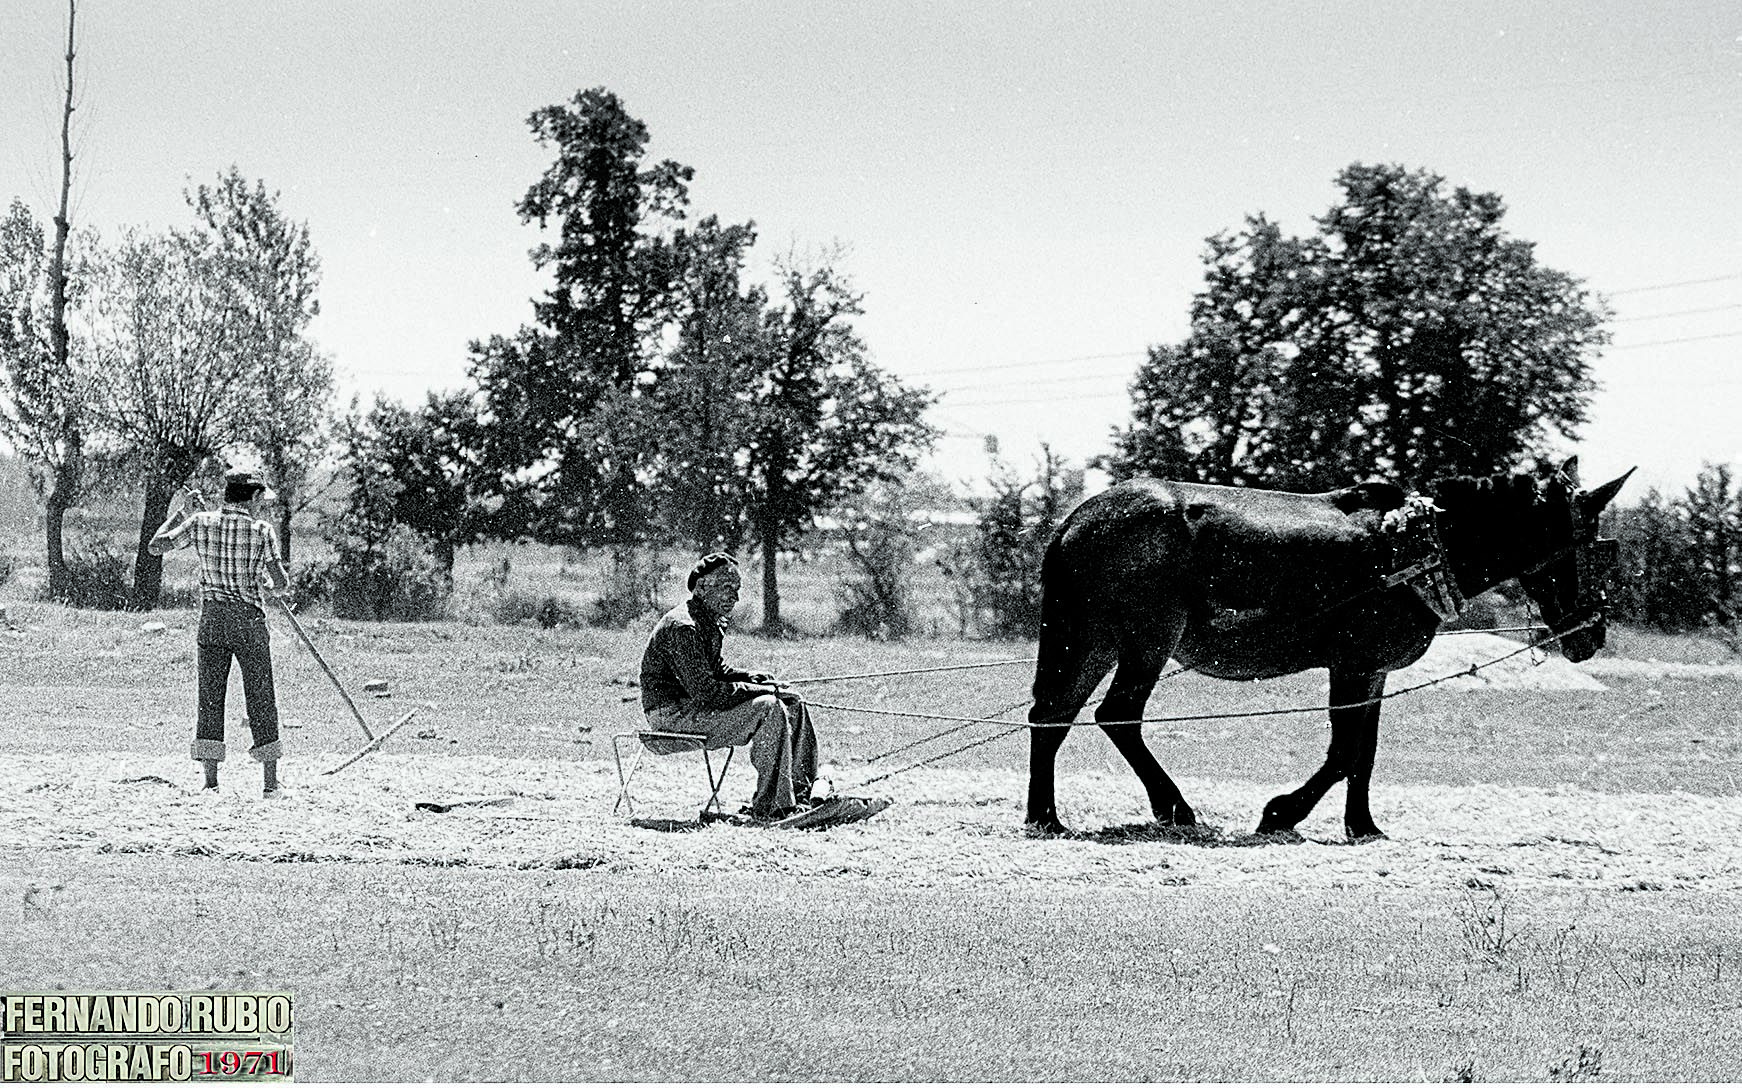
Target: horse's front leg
<point>1354,741</point>
<point>1357,814</point>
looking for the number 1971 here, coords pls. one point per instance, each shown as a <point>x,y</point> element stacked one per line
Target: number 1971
<point>249,1063</point>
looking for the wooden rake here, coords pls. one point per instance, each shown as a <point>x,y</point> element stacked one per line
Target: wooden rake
<point>373,741</point>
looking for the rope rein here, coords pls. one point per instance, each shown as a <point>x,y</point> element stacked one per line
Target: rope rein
<point>1033,659</point>
<point>1473,670</point>
<point>910,672</point>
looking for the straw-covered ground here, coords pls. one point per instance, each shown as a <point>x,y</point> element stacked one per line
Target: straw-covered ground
<point>1557,899</point>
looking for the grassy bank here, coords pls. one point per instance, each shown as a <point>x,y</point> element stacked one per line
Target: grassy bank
<point>408,974</point>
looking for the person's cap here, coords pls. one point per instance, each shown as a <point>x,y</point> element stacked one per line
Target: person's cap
<point>243,486</point>
<point>713,561</point>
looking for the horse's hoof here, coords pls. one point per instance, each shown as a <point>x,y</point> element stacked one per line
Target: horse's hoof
<point>1275,818</point>
<point>1052,829</point>
<point>1180,816</point>
<point>1272,825</point>
<point>1367,835</point>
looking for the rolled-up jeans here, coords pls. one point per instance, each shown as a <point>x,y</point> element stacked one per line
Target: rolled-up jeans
<point>233,629</point>
<point>783,745</point>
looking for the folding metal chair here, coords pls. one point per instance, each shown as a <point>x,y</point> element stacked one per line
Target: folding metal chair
<point>626,801</point>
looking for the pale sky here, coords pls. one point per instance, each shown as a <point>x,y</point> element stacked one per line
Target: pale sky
<point>1023,189</point>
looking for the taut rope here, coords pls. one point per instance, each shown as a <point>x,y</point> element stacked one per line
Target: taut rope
<point>910,672</point>
<point>962,723</point>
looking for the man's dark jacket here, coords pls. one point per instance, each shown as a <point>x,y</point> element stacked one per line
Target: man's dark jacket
<point>682,663</point>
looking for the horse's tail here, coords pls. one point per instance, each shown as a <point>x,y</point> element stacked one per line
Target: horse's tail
<point>1064,642</point>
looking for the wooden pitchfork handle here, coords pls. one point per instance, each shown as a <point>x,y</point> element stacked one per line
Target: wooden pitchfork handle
<point>368,735</point>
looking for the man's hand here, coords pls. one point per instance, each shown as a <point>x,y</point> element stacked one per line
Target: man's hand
<point>186,502</point>
<point>786,694</point>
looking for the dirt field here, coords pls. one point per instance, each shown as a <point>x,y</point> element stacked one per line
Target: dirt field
<point>1558,895</point>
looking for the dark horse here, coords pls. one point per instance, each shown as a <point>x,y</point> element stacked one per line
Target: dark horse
<point>1242,584</point>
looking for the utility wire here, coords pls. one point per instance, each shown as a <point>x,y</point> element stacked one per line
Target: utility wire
<point>1680,313</point>
<point>1011,365</point>
<point>1678,283</point>
<point>1677,340</point>
<point>982,368</point>
<point>1041,400</point>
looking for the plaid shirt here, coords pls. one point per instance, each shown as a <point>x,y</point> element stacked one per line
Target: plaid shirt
<point>234,549</point>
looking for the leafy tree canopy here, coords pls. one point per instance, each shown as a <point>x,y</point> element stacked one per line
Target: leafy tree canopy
<point>558,398</point>
<point>1410,337</point>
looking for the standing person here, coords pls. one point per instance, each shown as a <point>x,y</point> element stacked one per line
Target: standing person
<point>686,687</point>
<point>238,562</point>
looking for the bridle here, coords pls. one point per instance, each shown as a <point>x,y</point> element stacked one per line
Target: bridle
<point>1594,562</point>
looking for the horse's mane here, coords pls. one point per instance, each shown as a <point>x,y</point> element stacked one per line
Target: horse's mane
<point>1508,492</point>
<point>1489,511</point>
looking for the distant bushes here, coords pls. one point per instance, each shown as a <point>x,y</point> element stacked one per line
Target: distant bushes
<point>630,590</point>
<point>996,573</point>
<point>1681,558</point>
<point>395,578</point>
<point>99,576</point>
<point>874,593</point>
<point>544,610</point>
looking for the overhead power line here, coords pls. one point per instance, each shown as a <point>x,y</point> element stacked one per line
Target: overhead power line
<point>1678,283</point>
<point>1041,400</point>
<point>1677,340</point>
<point>1681,313</point>
<point>1024,363</point>
<point>983,368</point>
<point>1024,383</point>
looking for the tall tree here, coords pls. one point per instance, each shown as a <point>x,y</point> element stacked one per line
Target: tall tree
<point>1711,516</point>
<point>1411,336</point>
<point>701,391</point>
<point>41,393</point>
<point>180,384</point>
<point>562,396</point>
<point>423,469</point>
<point>1661,580</point>
<point>269,263</point>
<point>827,423</point>
<point>42,402</point>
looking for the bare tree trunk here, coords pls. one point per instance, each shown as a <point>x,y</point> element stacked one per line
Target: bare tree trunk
<point>147,568</point>
<point>60,499</point>
<point>771,622</point>
<point>284,503</point>
<point>68,475</point>
<point>284,481</point>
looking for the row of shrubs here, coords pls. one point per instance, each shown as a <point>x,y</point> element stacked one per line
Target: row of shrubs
<point>403,583</point>
<point>100,576</point>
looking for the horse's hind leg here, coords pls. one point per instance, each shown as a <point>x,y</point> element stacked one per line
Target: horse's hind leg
<point>1140,666</point>
<point>1354,742</point>
<point>1067,674</point>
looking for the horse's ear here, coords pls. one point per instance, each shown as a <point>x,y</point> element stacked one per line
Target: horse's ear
<point>1594,501</point>
<point>1570,469</point>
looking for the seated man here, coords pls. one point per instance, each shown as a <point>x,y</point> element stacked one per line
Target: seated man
<point>687,688</point>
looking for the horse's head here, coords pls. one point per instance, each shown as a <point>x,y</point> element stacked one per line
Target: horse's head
<point>1567,565</point>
